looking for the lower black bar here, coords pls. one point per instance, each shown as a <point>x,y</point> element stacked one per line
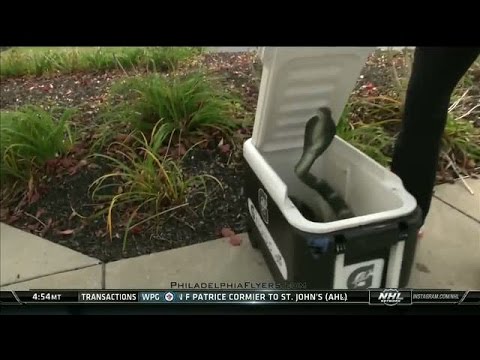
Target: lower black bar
<point>280,309</point>
<point>472,298</point>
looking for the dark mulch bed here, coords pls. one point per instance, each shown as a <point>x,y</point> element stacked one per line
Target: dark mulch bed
<point>60,209</point>
<point>240,71</point>
<point>86,91</point>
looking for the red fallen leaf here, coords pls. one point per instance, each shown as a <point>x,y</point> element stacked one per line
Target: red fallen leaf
<point>368,86</point>
<point>33,198</point>
<point>47,227</point>
<point>235,240</point>
<point>136,230</point>
<point>80,164</point>
<point>178,151</point>
<point>188,143</point>
<point>66,162</point>
<point>227,232</point>
<point>65,232</point>
<point>78,150</point>
<point>203,144</point>
<point>12,219</point>
<point>40,212</point>
<point>51,162</point>
<point>225,148</point>
<point>181,150</point>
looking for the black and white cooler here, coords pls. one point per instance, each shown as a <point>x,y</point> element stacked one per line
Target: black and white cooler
<point>375,248</point>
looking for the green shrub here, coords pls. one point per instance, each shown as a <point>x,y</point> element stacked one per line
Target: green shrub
<point>371,138</point>
<point>148,184</point>
<point>461,138</point>
<point>31,61</point>
<point>182,106</point>
<point>29,137</point>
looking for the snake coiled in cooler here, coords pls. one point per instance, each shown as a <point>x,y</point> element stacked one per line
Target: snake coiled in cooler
<point>320,131</point>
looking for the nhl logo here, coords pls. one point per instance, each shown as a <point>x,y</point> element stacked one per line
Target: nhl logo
<point>263,203</point>
<point>390,297</point>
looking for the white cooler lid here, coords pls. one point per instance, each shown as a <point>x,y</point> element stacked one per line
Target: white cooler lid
<point>296,81</point>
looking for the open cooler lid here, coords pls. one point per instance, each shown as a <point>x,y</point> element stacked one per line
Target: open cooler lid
<point>296,81</point>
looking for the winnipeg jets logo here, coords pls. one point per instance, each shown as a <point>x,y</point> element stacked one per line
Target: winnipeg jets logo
<point>169,296</point>
<point>263,203</point>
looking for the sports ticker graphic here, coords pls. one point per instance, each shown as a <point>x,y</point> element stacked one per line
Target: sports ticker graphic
<point>374,297</point>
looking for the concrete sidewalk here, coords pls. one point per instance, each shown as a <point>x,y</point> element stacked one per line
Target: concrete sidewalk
<point>447,257</point>
<point>233,49</point>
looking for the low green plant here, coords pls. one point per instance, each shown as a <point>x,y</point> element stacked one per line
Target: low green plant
<point>168,58</point>
<point>31,61</point>
<point>371,138</point>
<point>99,60</point>
<point>13,64</point>
<point>183,105</point>
<point>462,138</point>
<point>370,123</point>
<point>148,184</point>
<point>29,137</point>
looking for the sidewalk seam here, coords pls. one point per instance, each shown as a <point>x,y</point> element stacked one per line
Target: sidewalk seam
<point>54,273</point>
<point>455,208</point>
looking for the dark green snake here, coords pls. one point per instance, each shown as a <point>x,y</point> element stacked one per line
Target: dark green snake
<point>319,134</point>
